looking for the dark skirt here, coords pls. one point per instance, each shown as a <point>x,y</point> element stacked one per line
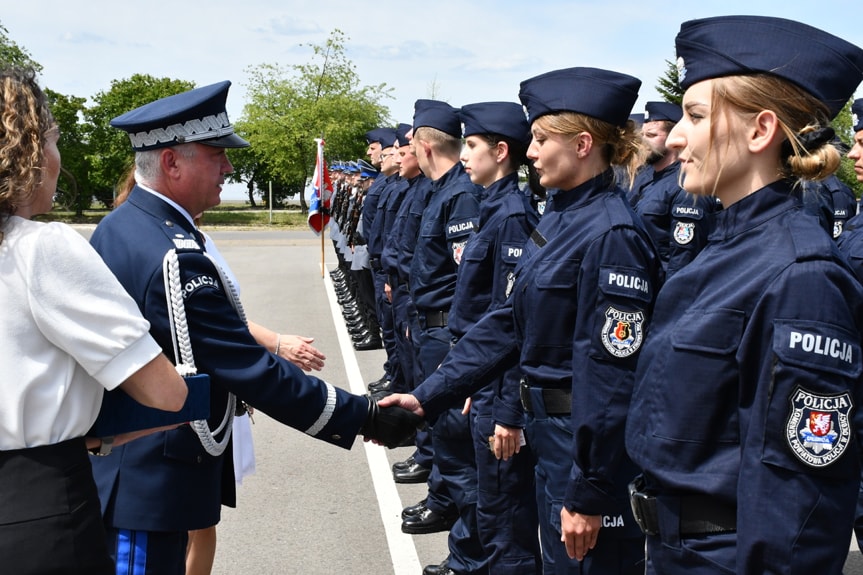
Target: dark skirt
<point>50,519</point>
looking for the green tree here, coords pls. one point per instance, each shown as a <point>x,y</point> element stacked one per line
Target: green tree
<point>111,154</point>
<point>74,190</point>
<point>843,124</point>
<point>669,84</point>
<point>12,54</point>
<point>287,108</point>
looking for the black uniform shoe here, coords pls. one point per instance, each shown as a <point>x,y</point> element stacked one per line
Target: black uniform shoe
<point>427,522</point>
<point>441,569</point>
<point>359,335</point>
<point>380,385</point>
<point>414,510</point>
<point>416,473</point>
<point>368,344</point>
<point>402,465</point>
<point>383,378</point>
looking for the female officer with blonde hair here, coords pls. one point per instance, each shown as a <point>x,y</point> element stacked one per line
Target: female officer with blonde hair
<point>744,416</point>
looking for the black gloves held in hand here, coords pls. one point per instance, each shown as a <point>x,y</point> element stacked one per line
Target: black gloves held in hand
<point>392,426</point>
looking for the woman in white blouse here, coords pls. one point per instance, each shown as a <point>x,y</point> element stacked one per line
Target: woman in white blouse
<point>69,333</point>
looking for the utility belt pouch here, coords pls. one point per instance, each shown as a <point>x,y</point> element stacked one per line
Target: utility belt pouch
<point>644,507</point>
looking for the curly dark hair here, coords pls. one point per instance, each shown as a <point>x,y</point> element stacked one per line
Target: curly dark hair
<point>24,121</point>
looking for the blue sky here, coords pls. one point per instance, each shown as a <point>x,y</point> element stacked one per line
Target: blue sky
<point>460,51</point>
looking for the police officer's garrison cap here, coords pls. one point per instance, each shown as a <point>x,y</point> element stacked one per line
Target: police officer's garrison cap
<point>824,65</point>
<point>502,118</point>
<point>857,115</point>
<point>658,111</point>
<point>373,136</point>
<point>388,137</point>
<point>438,115</point>
<point>197,115</point>
<point>402,134</point>
<point>601,94</point>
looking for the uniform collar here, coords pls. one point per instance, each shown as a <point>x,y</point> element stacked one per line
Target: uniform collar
<point>171,203</point>
<point>450,176</point>
<point>583,194</point>
<point>755,209</point>
<point>502,186</point>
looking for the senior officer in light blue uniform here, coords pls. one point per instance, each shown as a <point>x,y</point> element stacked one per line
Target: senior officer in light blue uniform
<point>678,222</point>
<point>574,322</point>
<point>157,489</point>
<point>745,416</point>
<point>496,139</point>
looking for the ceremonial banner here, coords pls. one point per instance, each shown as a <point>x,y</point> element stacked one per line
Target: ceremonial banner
<point>322,191</point>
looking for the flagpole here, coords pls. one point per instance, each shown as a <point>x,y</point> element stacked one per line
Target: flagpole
<point>322,243</point>
<point>323,203</point>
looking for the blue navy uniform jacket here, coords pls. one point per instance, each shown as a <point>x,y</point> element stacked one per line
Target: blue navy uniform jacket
<point>369,206</point>
<point>748,389</point>
<point>394,189</point>
<point>448,220</point>
<point>486,271</point>
<point>575,319</point>
<point>166,481</point>
<point>678,222</point>
<point>392,239</point>
<point>411,226</point>
<point>843,201</point>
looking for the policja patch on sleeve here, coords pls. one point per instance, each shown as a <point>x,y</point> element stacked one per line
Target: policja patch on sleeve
<point>818,429</point>
<point>622,332</point>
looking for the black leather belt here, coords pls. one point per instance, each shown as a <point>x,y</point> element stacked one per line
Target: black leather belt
<point>699,514</point>
<point>436,318</point>
<point>557,401</point>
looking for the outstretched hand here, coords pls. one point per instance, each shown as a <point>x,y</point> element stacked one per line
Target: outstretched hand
<point>405,401</point>
<point>390,426</point>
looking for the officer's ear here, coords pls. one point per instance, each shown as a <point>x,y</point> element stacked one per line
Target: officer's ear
<point>501,151</point>
<point>169,162</point>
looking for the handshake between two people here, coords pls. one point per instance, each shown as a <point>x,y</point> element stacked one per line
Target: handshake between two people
<point>393,421</point>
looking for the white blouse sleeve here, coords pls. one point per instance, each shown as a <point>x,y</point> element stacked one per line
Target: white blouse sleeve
<point>81,307</point>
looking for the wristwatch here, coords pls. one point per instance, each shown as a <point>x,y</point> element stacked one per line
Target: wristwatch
<point>105,447</point>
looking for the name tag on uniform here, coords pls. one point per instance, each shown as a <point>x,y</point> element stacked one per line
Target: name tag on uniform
<point>625,282</point>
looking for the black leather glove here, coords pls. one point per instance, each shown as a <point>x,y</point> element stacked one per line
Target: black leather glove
<point>392,426</point>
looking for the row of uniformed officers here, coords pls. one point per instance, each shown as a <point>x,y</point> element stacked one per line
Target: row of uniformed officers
<point>670,350</point>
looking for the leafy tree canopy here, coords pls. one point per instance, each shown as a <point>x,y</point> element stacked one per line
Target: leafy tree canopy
<point>110,153</point>
<point>287,108</point>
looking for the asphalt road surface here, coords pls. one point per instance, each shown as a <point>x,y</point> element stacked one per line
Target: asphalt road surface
<point>312,508</point>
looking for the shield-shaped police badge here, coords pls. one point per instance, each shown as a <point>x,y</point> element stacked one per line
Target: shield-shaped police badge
<point>684,232</point>
<point>818,430</point>
<point>622,332</point>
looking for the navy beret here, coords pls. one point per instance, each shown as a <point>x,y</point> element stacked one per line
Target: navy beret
<point>402,134</point>
<point>387,137</point>
<point>197,115</point>
<point>502,118</point>
<point>438,115</point>
<point>857,115</point>
<point>601,94</point>
<point>823,65</point>
<point>373,136</point>
<point>657,111</point>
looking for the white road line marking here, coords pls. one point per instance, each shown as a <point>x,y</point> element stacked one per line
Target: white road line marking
<point>403,552</point>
